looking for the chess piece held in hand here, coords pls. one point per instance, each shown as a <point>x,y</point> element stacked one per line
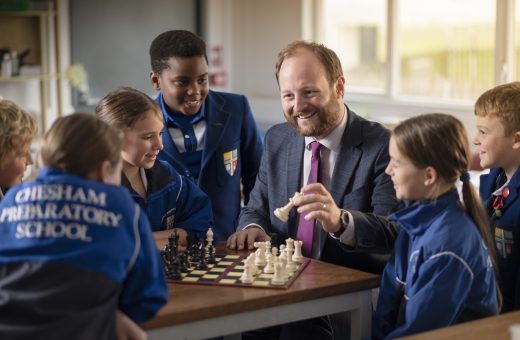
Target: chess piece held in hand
<point>283,213</point>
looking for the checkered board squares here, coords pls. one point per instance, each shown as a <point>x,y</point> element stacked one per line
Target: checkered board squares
<point>227,271</point>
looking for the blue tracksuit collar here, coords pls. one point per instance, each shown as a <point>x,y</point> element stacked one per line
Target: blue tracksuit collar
<point>157,177</point>
<point>416,217</point>
<point>48,171</point>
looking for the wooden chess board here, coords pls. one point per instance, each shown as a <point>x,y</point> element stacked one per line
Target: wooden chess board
<point>227,271</point>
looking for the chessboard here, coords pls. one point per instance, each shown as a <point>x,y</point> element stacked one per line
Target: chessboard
<point>227,271</point>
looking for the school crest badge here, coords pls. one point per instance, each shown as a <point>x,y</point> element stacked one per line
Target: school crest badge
<point>504,242</point>
<point>231,161</point>
<point>168,219</point>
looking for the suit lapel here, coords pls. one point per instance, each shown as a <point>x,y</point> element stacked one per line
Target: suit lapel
<point>217,121</point>
<point>348,158</point>
<point>293,176</point>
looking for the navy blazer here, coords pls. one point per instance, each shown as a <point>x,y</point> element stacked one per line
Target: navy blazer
<point>506,232</point>
<point>230,126</point>
<point>358,183</point>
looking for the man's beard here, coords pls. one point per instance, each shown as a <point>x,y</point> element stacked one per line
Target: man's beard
<point>327,119</point>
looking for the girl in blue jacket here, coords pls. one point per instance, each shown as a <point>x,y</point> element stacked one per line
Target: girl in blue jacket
<point>74,247</point>
<point>170,200</point>
<point>442,270</point>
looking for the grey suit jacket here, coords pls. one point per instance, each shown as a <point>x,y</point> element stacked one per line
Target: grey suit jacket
<point>358,180</point>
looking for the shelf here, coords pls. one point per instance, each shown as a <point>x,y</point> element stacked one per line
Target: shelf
<point>27,13</point>
<point>29,77</point>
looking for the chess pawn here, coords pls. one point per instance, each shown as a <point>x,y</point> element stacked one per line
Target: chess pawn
<point>278,278</point>
<point>274,251</point>
<point>269,267</point>
<point>297,256</point>
<point>283,257</point>
<point>290,265</point>
<point>282,252</point>
<point>267,248</point>
<point>247,276</point>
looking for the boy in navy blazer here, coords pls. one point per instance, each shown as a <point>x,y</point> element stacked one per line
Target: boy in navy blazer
<point>209,136</point>
<point>498,144</point>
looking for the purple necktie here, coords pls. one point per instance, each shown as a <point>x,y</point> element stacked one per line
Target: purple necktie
<point>306,228</point>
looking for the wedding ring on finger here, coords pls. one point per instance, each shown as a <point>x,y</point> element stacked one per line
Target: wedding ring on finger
<point>324,207</point>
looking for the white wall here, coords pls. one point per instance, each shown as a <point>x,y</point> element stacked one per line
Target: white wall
<point>253,32</point>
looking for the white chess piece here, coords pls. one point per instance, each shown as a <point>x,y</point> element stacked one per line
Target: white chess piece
<point>278,278</point>
<point>260,259</point>
<point>297,256</point>
<point>283,213</point>
<point>282,252</point>
<point>209,236</point>
<point>290,265</point>
<point>269,267</point>
<point>250,262</point>
<point>247,276</point>
<point>282,258</point>
<point>267,248</point>
<point>290,243</point>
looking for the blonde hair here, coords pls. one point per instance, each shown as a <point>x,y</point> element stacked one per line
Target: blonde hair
<point>17,129</point>
<point>502,101</point>
<point>79,143</point>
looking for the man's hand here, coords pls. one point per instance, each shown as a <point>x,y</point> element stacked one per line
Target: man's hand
<point>319,205</point>
<point>247,236</point>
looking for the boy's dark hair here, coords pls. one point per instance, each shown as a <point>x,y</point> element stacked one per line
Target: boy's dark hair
<point>176,43</point>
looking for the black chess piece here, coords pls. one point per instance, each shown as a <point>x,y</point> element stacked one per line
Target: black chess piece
<point>201,263</point>
<point>174,271</point>
<point>184,263</point>
<point>211,255</point>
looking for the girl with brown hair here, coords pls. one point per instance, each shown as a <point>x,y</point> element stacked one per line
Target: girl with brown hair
<point>442,270</point>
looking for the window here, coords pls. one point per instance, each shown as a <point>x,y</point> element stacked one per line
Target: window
<point>356,31</point>
<point>446,50</point>
<point>430,51</point>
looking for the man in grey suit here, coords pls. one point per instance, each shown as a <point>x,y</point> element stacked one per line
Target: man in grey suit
<point>352,159</point>
<point>354,154</point>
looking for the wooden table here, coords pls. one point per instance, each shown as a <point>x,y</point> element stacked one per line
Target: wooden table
<point>202,311</point>
<point>496,328</point>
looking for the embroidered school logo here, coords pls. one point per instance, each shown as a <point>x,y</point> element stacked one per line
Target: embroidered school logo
<point>504,242</point>
<point>231,161</point>
<point>168,219</point>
